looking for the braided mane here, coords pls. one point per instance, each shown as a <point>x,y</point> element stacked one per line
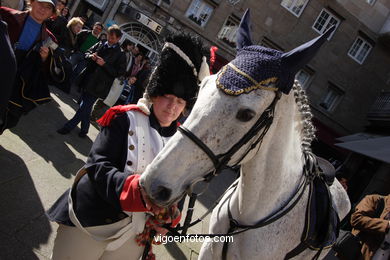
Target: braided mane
<point>308,129</point>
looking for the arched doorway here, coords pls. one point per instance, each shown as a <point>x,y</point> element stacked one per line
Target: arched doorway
<point>144,38</point>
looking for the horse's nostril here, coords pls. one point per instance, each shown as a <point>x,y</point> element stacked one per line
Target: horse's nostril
<point>162,193</point>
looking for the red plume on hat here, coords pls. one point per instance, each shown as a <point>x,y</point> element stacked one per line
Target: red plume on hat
<point>213,57</point>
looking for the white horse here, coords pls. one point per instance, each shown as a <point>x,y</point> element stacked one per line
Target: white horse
<point>270,173</point>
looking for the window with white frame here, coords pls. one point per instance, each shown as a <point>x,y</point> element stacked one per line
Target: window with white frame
<point>324,21</point>
<point>199,12</point>
<point>359,50</point>
<point>371,2</point>
<point>332,98</point>
<point>304,77</point>
<point>295,6</point>
<point>228,31</point>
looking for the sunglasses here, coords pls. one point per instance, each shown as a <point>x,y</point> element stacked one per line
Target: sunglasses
<point>63,2</point>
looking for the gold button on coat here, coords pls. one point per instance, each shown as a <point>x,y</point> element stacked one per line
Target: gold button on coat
<point>129,163</point>
<point>131,147</point>
<point>131,133</point>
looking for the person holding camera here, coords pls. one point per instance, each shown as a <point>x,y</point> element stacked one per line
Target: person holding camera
<point>30,40</point>
<point>106,61</point>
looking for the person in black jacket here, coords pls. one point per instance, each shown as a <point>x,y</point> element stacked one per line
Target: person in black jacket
<point>7,68</point>
<point>85,39</point>
<point>74,26</point>
<point>30,40</point>
<point>106,61</point>
<point>57,23</point>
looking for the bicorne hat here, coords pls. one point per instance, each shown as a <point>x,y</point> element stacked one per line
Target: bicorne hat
<point>180,69</point>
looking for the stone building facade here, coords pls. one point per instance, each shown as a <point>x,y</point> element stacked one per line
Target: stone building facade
<point>342,81</point>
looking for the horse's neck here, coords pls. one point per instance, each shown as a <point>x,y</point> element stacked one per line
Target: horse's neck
<point>271,177</point>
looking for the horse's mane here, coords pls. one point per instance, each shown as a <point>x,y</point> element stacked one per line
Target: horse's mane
<point>308,129</point>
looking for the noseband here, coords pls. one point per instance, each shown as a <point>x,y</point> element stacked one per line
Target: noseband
<point>220,161</point>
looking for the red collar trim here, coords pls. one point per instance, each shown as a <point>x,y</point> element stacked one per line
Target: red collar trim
<point>113,112</point>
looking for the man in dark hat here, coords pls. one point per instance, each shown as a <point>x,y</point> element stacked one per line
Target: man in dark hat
<point>31,41</point>
<point>108,203</point>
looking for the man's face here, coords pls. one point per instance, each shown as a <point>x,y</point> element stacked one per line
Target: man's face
<point>130,47</point>
<point>41,11</point>
<point>135,50</point>
<point>97,29</point>
<point>112,38</point>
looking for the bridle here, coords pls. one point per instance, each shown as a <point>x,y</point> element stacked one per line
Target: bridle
<point>221,161</point>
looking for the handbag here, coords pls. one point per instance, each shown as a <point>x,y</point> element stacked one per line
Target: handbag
<point>60,70</point>
<point>348,246</point>
<point>115,92</point>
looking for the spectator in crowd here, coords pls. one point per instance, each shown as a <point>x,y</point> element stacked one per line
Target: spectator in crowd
<point>106,61</point>
<point>137,65</point>
<point>65,13</point>
<point>127,95</point>
<point>7,69</point>
<point>134,50</point>
<point>127,46</point>
<point>370,228</point>
<point>103,37</point>
<point>57,23</point>
<point>74,26</point>
<point>100,106</point>
<point>142,80</point>
<point>108,201</point>
<point>85,39</point>
<point>30,40</point>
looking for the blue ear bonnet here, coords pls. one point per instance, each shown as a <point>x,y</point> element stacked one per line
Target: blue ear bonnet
<point>254,67</point>
<point>257,67</point>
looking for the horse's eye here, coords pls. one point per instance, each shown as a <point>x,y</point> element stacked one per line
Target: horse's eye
<point>244,115</point>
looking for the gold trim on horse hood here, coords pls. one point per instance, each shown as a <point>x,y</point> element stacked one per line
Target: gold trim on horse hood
<point>264,84</point>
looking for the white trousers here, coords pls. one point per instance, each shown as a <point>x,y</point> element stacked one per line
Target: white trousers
<point>73,244</point>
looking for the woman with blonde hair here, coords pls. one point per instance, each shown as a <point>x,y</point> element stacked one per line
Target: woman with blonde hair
<point>74,26</point>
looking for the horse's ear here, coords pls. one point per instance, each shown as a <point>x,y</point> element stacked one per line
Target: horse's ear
<point>244,37</point>
<point>297,58</point>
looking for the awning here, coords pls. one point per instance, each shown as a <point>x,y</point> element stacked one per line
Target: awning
<point>376,148</point>
<point>358,137</point>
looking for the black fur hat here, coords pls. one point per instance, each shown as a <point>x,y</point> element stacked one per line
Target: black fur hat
<point>173,74</point>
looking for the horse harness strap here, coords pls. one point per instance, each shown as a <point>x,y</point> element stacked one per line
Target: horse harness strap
<point>220,161</point>
<point>268,220</point>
